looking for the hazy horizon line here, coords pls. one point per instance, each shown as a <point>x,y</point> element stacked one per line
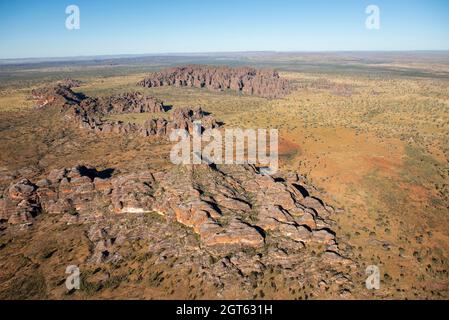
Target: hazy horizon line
<point>123,55</point>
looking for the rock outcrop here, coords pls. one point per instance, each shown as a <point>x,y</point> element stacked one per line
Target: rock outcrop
<point>91,113</point>
<point>182,118</point>
<point>20,203</point>
<point>229,207</point>
<point>57,95</point>
<point>264,83</point>
<point>129,102</point>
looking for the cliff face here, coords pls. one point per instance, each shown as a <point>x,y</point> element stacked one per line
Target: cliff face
<point>264,83</point>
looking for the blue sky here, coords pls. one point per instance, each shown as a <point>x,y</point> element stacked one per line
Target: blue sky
<point>32,28</point>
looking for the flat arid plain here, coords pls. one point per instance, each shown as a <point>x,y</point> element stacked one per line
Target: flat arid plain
<point>365,137</point>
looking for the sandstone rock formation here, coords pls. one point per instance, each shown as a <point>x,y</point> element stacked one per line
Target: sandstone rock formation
<point>90,117</point>
<point>229,207</point>
<point>20,203</point>
<point>129,102</point>
<point>59,94</point>
<point>91,113</point>
<point>265,83</point>
<point>224,228</point>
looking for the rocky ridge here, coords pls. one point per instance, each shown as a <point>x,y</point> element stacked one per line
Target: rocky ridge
<point>264,83</point>
<point>227,206</point>
<point>233,225</point>
<point>91,113</point>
